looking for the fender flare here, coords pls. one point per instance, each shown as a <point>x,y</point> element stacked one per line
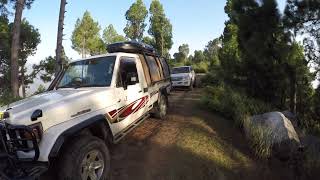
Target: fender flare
<point>72,131</point>
<point>163,90</point>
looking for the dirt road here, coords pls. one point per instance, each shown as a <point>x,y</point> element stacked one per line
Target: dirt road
<point>191,144</point>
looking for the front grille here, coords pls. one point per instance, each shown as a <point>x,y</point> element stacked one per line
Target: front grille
<point>13,140</point>
<point>176,78</point>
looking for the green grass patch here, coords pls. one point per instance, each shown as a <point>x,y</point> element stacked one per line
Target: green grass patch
<point>239,107</point>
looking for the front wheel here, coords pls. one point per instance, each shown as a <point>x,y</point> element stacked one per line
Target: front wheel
<point>87,158</point>
<point>162,107</point>
<point>191,86</point>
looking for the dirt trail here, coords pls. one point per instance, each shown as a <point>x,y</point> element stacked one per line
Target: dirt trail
<point>190,144</point>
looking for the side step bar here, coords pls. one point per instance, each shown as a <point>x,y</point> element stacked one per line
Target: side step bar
<point>123,133</point>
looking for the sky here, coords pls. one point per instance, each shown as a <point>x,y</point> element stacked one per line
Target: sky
<point>194,22</point>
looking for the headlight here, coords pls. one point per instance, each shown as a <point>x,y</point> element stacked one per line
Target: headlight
<point>4,115</point>
<point>37,130</point>
<point>185,78</point>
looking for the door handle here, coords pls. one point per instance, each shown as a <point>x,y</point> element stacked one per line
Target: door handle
<point>140,91</point>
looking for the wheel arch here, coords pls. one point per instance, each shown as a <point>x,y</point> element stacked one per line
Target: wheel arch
<point>96,126</point>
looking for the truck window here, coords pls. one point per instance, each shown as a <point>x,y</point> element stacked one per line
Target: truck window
<point>95,72</point>
<point>128,74</point>
<point>154,69</point>
<point>165,67</point>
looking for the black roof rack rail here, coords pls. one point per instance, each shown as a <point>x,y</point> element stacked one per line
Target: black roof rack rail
<point>131,47</point>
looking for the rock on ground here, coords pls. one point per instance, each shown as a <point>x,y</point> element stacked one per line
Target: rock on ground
<point>283,136</point>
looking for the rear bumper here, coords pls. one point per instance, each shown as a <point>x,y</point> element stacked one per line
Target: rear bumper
<point>11,165</point>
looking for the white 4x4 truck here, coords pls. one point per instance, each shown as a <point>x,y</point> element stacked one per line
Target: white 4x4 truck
<point>89,106</point>
<point>183,76</point>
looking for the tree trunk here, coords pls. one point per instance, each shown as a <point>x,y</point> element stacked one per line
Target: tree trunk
<point>58,65</point>
<point>15,48</point>
<point>293,92</point>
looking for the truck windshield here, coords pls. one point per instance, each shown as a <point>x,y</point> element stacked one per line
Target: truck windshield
<point>179,70</point>
<point>95,72</point>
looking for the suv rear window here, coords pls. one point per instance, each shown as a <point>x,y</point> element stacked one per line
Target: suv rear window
<point>154,69</point>
<point>165,67</point>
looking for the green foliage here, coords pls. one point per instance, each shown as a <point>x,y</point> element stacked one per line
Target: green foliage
<point>201,61</point>
<point>197,57</point>
<point>303,17</point>
<point>239,107</point>
<point>4,3</point>
<point>85,37</point>
<point>182,55</point>
<point>160,28</point>
<point>201,67</point>
<point>46,68</point>
<point>136,16</point>
<point>149,40</point>
<point>4,54</point>
<point>211,52</point>
<point>41,89</point>
<point>6,98</point>
<point>110,35</point>
<point>229,54</point>
<point>29,40</point>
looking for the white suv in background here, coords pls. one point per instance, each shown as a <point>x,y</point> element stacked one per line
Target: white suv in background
<point>183,76</point>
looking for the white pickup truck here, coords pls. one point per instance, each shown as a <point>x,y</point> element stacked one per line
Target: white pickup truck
<point>90,105</point>
<point>183,76</point>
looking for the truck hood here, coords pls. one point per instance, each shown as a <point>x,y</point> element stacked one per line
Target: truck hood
<point>58,106</point>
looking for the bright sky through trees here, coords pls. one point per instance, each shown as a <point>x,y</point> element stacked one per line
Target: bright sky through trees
<point>194,22</point>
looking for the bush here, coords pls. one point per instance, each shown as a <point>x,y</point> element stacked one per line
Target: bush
<point>238,107</point>
<point>201,67</point>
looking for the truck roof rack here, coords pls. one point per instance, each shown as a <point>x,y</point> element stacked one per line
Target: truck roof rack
<point>131,47</point>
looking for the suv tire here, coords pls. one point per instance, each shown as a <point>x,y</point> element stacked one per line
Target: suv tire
<point>87,157</point>
<point>162,107</point>
<point>191,86</point>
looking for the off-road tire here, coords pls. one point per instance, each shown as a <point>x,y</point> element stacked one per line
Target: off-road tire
<point>191,87</point>
<point>161,109</point>
<point>71,162</point>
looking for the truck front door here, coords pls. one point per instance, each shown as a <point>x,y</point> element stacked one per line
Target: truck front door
<point>134,100</point>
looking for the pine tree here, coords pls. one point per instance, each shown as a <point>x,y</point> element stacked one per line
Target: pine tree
<point>160,28</point>
<point>136,17</point>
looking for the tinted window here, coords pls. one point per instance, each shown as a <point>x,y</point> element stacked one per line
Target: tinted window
<point>154,68</point>
<point>179,70</point>
<point>89,73</point>
<point>128,72</point>
<point>166,70</point>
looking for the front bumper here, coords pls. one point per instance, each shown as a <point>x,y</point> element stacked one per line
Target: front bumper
<point>12,143</point>
<point>181,83</point>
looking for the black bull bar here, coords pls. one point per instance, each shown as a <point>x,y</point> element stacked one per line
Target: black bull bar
<point>14,140</point>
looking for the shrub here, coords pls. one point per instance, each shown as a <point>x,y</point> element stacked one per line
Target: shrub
<point>201,67</point>
<point>239,107</point>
